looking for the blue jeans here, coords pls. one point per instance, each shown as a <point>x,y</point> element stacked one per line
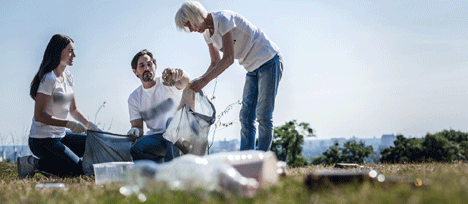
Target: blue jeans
<point>258,102</point>
<point>152,147</point>
<point>60,156</point>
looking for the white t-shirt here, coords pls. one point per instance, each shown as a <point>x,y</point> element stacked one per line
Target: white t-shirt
<point>58,105</point>
<point>251,46</point>
<point>154,105</point>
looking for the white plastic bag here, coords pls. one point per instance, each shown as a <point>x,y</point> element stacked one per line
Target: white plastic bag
<point>189,129</point>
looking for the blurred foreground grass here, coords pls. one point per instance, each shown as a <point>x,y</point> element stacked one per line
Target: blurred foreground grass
<point>448,184</point>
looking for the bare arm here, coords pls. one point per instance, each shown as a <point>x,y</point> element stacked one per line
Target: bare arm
<point>77,114</point>
<point>221,65</point>
<point>184,79</point>
<point>40,114</point>
<point>214,55</point>
<point>138,123</point>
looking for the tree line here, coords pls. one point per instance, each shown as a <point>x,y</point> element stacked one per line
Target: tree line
<point>444,146</point>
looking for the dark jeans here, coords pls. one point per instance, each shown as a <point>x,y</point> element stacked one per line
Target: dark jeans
<point>60,156</point>
<point>152,147</point>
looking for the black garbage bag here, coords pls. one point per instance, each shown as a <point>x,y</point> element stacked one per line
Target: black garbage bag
<point>104,147</point>
<point>190,127</point>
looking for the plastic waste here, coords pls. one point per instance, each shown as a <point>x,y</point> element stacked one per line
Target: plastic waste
<point>282,168</point>
<point>43,186</point>
<point>109,172</point>
<point>188,173</point>
<point>347,165</point>
<point>190,126</point>
<point>329,178</point>
<point>257,164</point>
<point>318,179</point>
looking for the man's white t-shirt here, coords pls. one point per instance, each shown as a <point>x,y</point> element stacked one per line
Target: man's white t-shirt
<point>154,105</point>
<point>58,105</point>
<point>251,46</point>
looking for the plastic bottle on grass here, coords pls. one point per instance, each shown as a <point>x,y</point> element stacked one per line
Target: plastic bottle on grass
<point>42,186</point>
<point>231,180</point>
<point>260,165</point>
<point>187,173</point>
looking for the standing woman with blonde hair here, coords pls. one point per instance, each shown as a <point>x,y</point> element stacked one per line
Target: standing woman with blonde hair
<point>237,38</point>
<point>52,89</point>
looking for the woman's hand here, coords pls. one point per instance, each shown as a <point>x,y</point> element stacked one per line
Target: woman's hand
<point>92,126</point>
<point>76,127</point>
<point>198,84</point>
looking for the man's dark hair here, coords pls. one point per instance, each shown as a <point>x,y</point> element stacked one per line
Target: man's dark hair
<point>139,54</point>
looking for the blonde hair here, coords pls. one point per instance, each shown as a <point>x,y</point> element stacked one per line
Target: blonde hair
<point>192,12</point>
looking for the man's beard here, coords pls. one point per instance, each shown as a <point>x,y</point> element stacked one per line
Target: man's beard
<point>147,76</point>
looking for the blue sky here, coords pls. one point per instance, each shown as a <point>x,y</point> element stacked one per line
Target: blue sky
<point>351,68</point>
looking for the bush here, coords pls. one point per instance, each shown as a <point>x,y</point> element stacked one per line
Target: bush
<point>445,146</point>
<point>439,148</point>
<point>288,140</point>
<point>404,151</point>
<point>351,152</point>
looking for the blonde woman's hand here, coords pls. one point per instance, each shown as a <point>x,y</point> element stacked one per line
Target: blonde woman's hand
<point>198,84</point>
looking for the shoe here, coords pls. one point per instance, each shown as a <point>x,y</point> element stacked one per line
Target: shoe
<point>49,175</point>
<point>26,168</point>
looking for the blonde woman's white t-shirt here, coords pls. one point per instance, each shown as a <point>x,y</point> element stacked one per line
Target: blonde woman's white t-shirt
<point>252,47</point>
<point>61,95</point>
<point>154,105</point>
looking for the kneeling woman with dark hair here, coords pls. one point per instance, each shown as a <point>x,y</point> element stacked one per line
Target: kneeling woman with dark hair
<point>52,88</point>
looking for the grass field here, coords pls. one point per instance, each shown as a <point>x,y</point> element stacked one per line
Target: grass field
<point>448,183</point>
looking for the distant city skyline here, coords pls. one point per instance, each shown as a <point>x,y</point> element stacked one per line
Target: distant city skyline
<point>311,148</point>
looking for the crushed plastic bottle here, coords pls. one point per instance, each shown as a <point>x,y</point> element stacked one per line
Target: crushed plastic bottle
<point>260,165</point>
<point>187,173</point>
<point>43,186</point>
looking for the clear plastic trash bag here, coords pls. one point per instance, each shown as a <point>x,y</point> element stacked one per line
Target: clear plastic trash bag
<point>104,147</point>
<point>189,127</point>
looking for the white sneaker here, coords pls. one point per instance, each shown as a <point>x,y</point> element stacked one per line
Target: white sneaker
<point>26,168</point>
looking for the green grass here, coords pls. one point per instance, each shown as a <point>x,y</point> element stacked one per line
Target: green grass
<point>448,184</point>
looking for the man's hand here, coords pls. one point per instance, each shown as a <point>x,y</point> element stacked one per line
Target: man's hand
<point>75,127</point>
<point>171,76</point>
<point>134,132</point>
